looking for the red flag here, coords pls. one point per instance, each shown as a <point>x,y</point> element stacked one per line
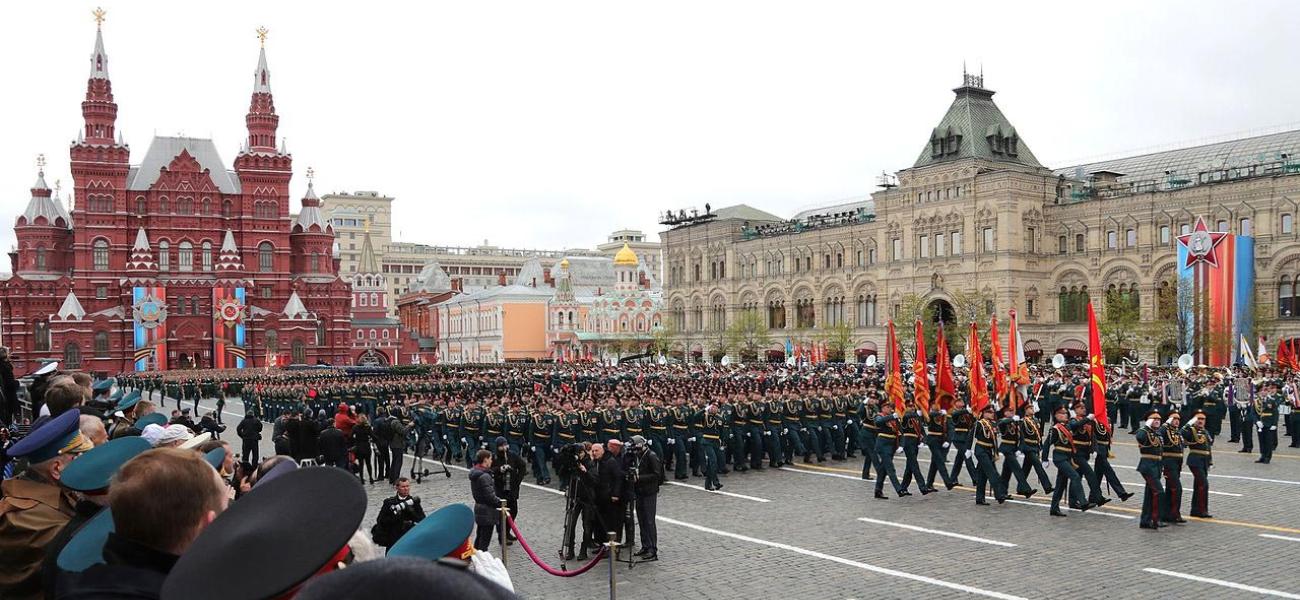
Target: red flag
<point>979,387</point>
<point>1000,387</point>
<point>1018,366</point>
<point>921,383</point>
<point>945,389</point>
<point>894,378</point>
<point>1097,366</point>
<point>1284,357</point>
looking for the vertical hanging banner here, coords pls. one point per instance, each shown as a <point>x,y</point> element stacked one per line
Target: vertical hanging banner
<point>149,319</point>
<point>229,331</point>
<point>1218,268</point>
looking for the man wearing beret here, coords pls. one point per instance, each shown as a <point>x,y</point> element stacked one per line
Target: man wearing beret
<point>34,508</point>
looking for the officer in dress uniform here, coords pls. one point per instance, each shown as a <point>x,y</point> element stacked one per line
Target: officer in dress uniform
<point>1151,450</point>
<point>1031,445</point>
<point>1266,408</point>
<point>34,508</point>
<point>710,433</point>
<point>773,415</point>
<point>1009,447</point>
<point>1083,426</point>
<point>681,432</point>
<point>984,438</point>
<point>1102,467</point>
<point>1060,441</point>
<point>913,429</point>
<point>961,423</point>
<point>1199,458</point>
<point>867,414</point>
<point>886,446</point>
<point>1171,438</point>
<point>936,438</point>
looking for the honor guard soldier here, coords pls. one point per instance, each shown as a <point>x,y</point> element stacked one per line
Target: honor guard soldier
<point>710,432</point>
<point>1084,430</point>
<point>913,430</point>
<point>681,432</point>
<point>541,439</point>
<point>1060,441</point>
<point>1266,408</point>
<point>1031,444</point>
<point>1101,466</point>
<point>1151,452</point>
<point>773,414</point>
<point>1010,448</point>
<point>963,421</point>
<point>1199,458</point>
<point>985,438</point>
<point>1171,438</point>
<point>936,438</point>
<point>886,445</point>
<point>867,414</point>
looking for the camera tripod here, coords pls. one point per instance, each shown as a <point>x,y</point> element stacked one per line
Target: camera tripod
<point>422,447</point>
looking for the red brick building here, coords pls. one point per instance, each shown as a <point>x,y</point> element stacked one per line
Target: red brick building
<point>176,261</point>
<point>378,339</point>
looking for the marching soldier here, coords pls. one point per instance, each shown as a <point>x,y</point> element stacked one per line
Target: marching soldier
<point>1083,428</point>
<point>1060,440</point>
<point>680,434</point>
<point>1199,458</point>
<point>937,431</point>
<point>1151,451</point>
<point>1102,466</point>
<point>962,422</point>
<point>774,411</point>
<point>886,445</point>
<point>710,433</point>
<point>1266,409</point>
<point>1031,444</point>
<point>985,438</point>
<point>913,429</point>
<point>1009,447</point>
<point>867,414</point>
<point>1171,439</point>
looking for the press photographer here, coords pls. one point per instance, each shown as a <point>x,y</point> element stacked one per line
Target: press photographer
<point>397,515</point>
<point>575,468</point>
<point>646,470</point>
<point>508,470</point>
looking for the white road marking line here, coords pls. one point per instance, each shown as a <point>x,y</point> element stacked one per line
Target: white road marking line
<point>843,561</point>
<point>701,488</point>
<point>1142,485</point>
<point>1090,512</point>
<point>824,474</point>
<point>1279,537</point>
<point>959,536</point>
<point>1227,584</point>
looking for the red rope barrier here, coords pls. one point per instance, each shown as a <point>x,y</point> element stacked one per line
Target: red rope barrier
<point>548,568</point>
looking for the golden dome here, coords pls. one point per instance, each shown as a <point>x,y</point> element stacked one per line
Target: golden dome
<point>564,263</point>
<point>625,257</point>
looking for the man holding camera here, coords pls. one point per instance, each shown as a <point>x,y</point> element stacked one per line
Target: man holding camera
<point>647,474</point>
<point>397,515</point>
<point>508,470</point>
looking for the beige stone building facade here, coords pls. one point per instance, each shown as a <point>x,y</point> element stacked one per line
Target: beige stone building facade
<point>978,212</point>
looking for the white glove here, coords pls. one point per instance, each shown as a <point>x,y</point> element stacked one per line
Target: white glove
<point>835,426</point>
<point>1273,428</point>
<point>849,422</point>
<point>1015,418</point>
<point>690,439</point>
<point>785,431</point>
<point>490,568</point>
<point>464,441</point>
<point>1092,417</point>
<point>767,432</point>
<point>1259,426</point>
<point>899,450</point>
<point>943,412</point>
<point>970,453</point>
<point>746,434</point>
<point>1020,455</point>
<point>1170,419</point>
<point>672,441</point>
<point>532,448</point>
<point>946,445</point>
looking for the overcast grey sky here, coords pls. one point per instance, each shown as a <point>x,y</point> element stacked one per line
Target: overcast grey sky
<point>550,124</point>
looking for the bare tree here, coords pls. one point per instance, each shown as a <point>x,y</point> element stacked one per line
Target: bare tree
<point>748,333</point>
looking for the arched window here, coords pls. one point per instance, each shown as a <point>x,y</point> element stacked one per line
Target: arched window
<point>207,256</point>
<point>272,340</point>
<point>185,257</point>
<point>363,300</point>
<point>361,335</point>
<point>205,206</point>
<point>185,206</point>
<point>41,333</point>
<point>299,352</point>
<point>101,254</point>
<point>72,356</point>
<point>40,258</point>
<point>265,257</point>
<point>320,333</point>
<point>1165,300</point>
<point>385,334</point>
<point>101,344</point>
<point>315,262</point>
<point>374,299</point>
<point>194,305</point>
<point>227,209</point>
<point>164,256</point>
<point>141,206</point>
<point>373,334</point>
<point>162,205</point>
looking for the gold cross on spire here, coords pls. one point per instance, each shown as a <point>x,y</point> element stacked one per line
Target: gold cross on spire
<point>311,173</point>
<point>40,162</point>
<point>261,35</point>
<point>99,17</point>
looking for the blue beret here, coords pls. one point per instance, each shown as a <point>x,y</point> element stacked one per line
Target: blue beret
<point>437,535</point>
<point>128,400</point>
<point>116,395</point>
<point>103,385</point>
<point>153,418</point>
<point>402,579</point>
<point>92,470</point>
<point>60,435</point>
<point>85,548</point>
<point>215,457</point>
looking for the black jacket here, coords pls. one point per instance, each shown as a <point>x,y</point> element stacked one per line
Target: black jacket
<point>361,435</point>
<point>508,481</point>
<point>648,475</point>
<point>396,517</point>
<point>249,429</point>
<point>610,480</point>
<point>305,446</point>
<point>333,446</point>
<point>131,570</point>
<point>486,502</point>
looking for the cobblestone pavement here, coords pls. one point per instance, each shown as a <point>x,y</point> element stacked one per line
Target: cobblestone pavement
<point>814,531</point>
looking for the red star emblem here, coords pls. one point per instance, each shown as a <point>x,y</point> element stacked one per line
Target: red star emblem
<point>1201,244</point>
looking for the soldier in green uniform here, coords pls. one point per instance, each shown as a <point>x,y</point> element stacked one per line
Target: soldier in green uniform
<point>1031,445</point>
<point>867,412</point>
<point>1009,447</point>
<point>1171,440</point>
<point>680,419</point>
<point>542,428</point>
<point>657,421</point>
<point>709,428</point>
<point>773,412</point>
<point>962,422</point>
<point>1199,458</point>
<point>747,447</point>
<point>1060,440</point>
<point>889,429</point>
<point>985,438</point>
<point>936,439</point>
<point>471,426</point>
<point>913,431</point>
<point>1151,449</point>
<point>1102,467</point>
<point>1266,409</point>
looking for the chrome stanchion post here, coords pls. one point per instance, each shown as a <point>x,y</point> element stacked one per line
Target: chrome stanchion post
<point>505,514</point>
<point>612,548</point>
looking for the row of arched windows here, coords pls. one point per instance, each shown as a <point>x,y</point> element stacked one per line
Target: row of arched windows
<point>183,205</point>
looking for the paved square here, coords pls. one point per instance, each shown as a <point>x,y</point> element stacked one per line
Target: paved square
<point>813,531</point>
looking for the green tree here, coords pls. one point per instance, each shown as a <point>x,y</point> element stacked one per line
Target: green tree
<point>1263,323</point>
<point>838,339</point>
<point>662,338</point>
<point>1119,328</point>
<point>748,333</point>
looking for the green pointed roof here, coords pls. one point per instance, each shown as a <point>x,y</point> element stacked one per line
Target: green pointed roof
<point>974,127</point>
